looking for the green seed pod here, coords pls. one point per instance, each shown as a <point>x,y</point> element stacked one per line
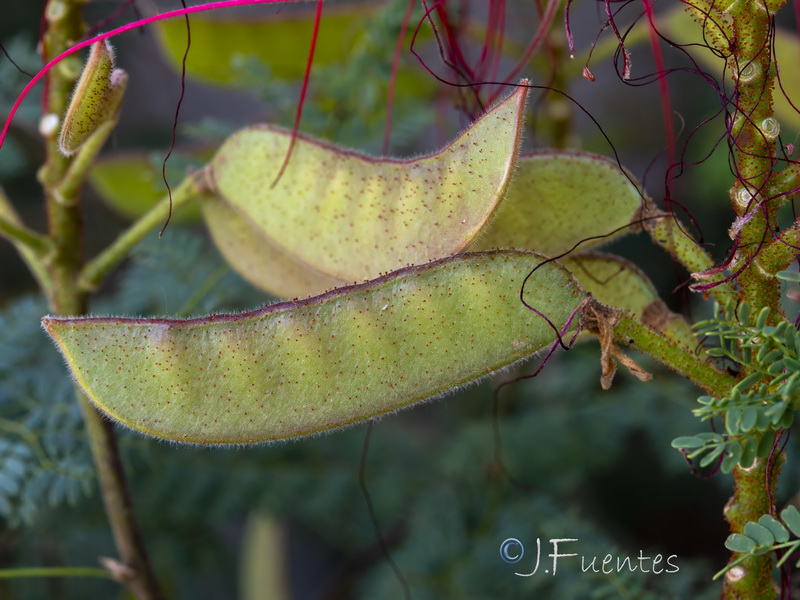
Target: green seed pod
<point>560,198</point>
<point>353,217</point>
<point>259,260</point>
<point>96,99</point>
<point>299,368</point>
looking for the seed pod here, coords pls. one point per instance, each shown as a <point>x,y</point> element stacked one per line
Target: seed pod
<point>298,368</point>
<point>257,259</point>
<point>95,100</point>
<point>354,217</point>
<point>558,199</point>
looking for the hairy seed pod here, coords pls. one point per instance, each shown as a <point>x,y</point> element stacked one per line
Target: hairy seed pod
<point>95,100</point>
<point>298,368</point>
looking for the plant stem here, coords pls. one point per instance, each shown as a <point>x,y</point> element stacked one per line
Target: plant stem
<point>20,235</point>
<point>752,578</point>
<point>630,331</point>
<point>55,572</point>
<point>93,273</point>
<point>76,174</point>
<point>64,26</point>
<point>672,236</point>
<point>753,135</point>
<point>33,247</point>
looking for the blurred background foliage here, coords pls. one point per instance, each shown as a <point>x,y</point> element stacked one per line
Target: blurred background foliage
<point>291,520</point>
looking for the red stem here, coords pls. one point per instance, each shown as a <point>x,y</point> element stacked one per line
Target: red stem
<point>666,107</point>
<point>303,92</point>
<point>393,77</point>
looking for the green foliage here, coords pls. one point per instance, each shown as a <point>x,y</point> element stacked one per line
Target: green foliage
<point>763,403</point>
<point>45,461</point>
<point>767,535</point>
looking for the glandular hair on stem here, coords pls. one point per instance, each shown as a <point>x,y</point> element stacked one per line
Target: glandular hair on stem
<point>770,127</point>
<point>749,72</point>
<point>737,573</point>
<point>743,197</point>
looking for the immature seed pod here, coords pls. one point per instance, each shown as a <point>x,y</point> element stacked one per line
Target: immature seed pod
<point>95,100</point>
<point>353,217</point>
<point>298,368</point>
<point>560,198</point>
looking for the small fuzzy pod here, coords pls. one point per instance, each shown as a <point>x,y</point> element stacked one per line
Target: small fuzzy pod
<point>96,99</point>
<point>298,368</point>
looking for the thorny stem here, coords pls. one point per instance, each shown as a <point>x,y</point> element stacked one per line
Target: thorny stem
<point>754,148</point>
<point>668,233</point>
<point>64,25</point>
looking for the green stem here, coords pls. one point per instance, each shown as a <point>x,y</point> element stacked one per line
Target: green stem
<point>79,168</point>
<point>753,139</point>
<point>64,25</point>
<point>55,572</point>
<point>19,234</point>
<point>117,500</point>
<point>780,252</point>
<point>94,272</point>
<point>33,248</point>
<point>630,331</point>
<point>751,578</point>
<point>668,233</point>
